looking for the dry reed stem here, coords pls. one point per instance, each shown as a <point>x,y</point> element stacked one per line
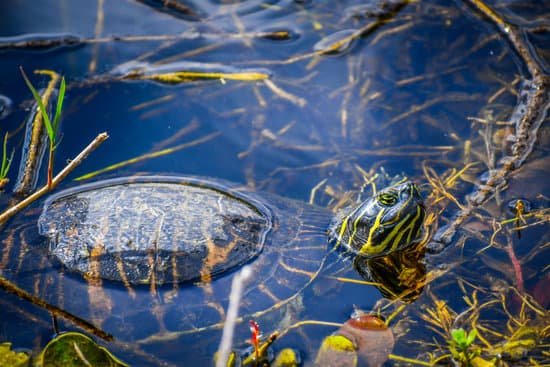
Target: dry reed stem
<point>232,313</point>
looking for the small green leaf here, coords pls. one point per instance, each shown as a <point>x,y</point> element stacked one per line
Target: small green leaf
<point>41,107</point>
<point>459,336</point>
<point>471,337</point>
<point>6,162</point>
<point>74,349</point>
<point>59,105</point>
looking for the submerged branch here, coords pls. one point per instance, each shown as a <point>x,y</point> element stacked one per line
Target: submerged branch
<point>530,112</point>
<point>56,311</point>
<point>46,41</point>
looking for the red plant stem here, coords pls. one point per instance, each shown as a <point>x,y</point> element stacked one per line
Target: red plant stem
<point>50,167</point>
<point>255,330</point>
<point>516,265</point>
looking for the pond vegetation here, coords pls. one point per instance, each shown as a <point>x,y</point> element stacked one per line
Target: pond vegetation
<point>316,101</point>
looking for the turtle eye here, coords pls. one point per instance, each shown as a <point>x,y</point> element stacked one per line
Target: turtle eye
<point>387,198</point>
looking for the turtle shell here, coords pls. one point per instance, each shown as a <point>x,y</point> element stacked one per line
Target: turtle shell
<point>155,230</point>
<point>182,236</point>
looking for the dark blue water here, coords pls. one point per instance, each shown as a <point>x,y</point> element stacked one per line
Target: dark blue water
<point>401,97</point>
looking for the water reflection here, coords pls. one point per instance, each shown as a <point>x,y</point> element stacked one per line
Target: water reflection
<point>400,275</point>
<point>430,91</point>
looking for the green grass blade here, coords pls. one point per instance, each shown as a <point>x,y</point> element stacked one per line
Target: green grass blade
<point>6,163</point>
<point>4,158</point>
<point>9,164</point>
<point>59,106</point>
<point>38,99</point>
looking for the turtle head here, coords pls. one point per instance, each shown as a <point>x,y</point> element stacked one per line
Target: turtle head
<point>386,222</point>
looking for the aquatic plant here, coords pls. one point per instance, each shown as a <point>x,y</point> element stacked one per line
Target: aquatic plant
<point>6,163</point>
<point>9,357</point>
<point>51,127</point>
<point>461,346</point>
<point>255,340</point>
<point>72,349</point>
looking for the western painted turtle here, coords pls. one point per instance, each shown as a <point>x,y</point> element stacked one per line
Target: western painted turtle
<point>169,229</point>
<point>156,251</point>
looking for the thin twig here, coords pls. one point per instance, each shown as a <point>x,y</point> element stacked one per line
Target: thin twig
<point>10,212</point>
<point>285,95</point>
<point>149,156</point>
<point>56,311</point>
<point>232,312</point>
<point>66,39</point>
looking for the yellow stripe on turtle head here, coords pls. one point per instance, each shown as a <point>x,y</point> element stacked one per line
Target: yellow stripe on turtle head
<point>355,224</point>
<point>390,242</point>
<point>342,230</point>
<point>368,248</point>
<point>394,239</point>
<point>417,217</point>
